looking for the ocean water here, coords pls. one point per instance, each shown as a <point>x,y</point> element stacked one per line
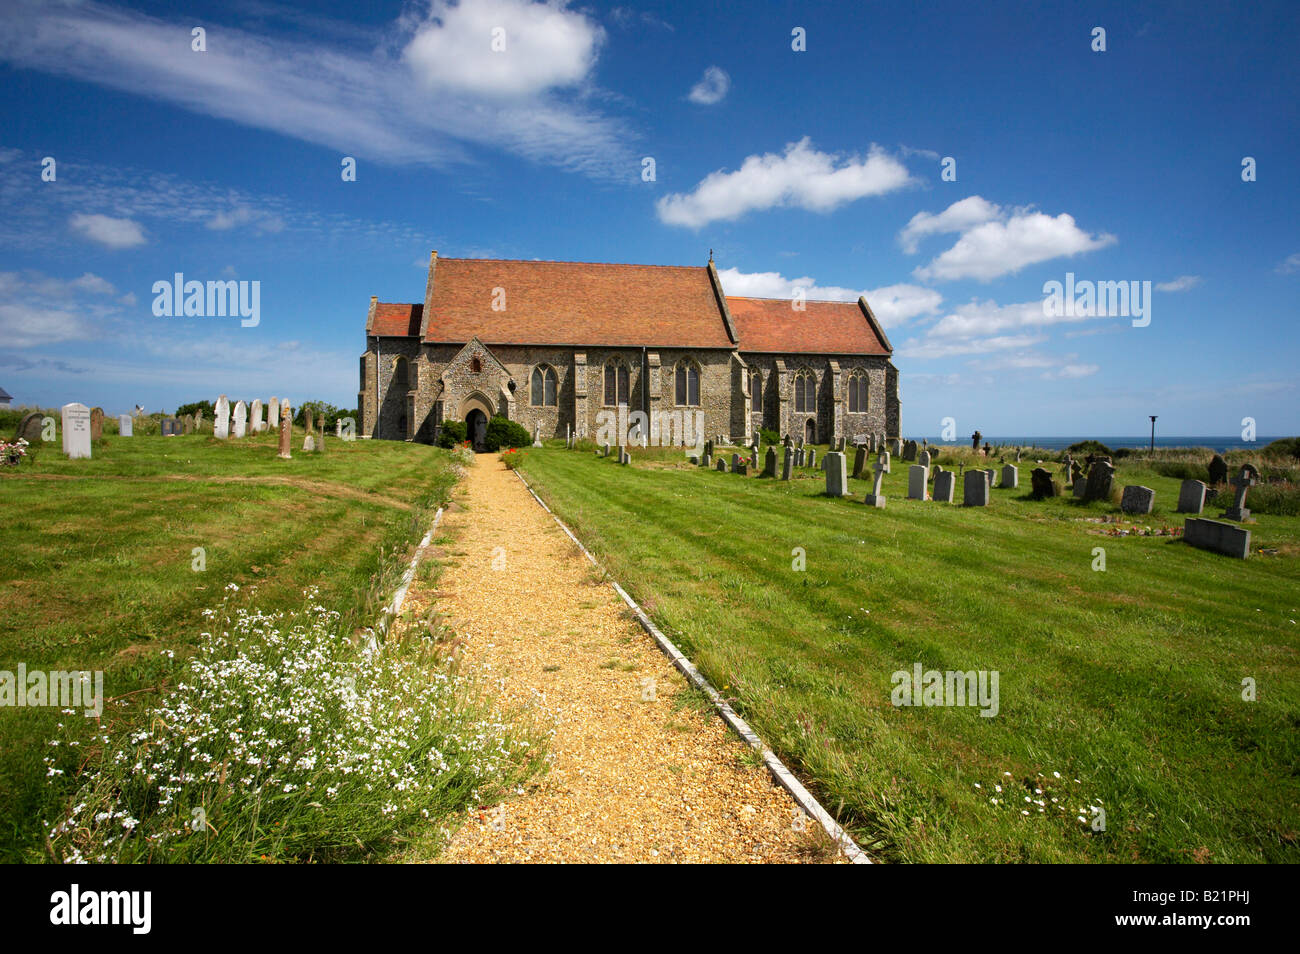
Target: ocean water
<point>1219,444</point>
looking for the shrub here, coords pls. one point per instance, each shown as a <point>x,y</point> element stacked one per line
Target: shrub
<point>284,741</point>
<point>768,436</point>
<point>1286,446</point>
<point>503,432</point>
<point>451,433</point>
<point>1090,447</point>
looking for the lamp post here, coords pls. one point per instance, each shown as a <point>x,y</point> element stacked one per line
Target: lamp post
<point>1153,432</point>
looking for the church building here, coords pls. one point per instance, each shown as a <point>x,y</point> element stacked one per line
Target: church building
<point>552,345</point>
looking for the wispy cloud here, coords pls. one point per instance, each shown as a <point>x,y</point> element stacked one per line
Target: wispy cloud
<point>434,86</point>
<point>892,304</point>
<point>712,87</point>
<point>108,231</point>
<point>801,177</point>
<point>1289,264</point>
<point>1180,284</point>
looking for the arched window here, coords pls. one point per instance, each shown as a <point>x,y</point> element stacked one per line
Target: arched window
<point>805,392</point>
<point>688,383</point>
<point>544,386</point>
<point>857,392</point>
<point>755,387</point>
<point>475,364</point>
<point>617,382</point>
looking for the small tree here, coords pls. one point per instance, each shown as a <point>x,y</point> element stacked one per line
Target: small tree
<point>503,432</point>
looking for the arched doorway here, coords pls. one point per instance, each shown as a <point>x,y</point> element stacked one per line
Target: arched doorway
<point>476,429</point>
<point>810,431</point>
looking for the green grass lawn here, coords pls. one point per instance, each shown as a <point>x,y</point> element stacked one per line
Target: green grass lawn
<point>99,562</point>
<point>1128,679</point>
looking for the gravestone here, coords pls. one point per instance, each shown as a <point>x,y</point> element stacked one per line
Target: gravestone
<point>812,457</point>
<point>255,424</point>
<point>896,446</point>
<point>309,443</point>
<point>124,426</point>
<point>1220,537</point>
<point>171,427</point>
<point>1101,478</point>
<point>537,438</point>
<point>241,419</point>
<point>909,450</point>
<point>769,463</point>
<point>787,464</point>
<point>338,428</point>
<point>839,445</point>
<point>1067,469</point>
<point>945,483</point>
<point>1041,484</point>
<point>625,456</point>
<point>859,461</point>
<point>606,454</point>
<point>221,420</point>
<point>837,481</point>
<point>1080,487</point>
<point>753,452</point>
<point>1218,469</point>
<point>273,415</point>
<point>798,455</point>
<point>722,465</point>
<point>286,430</point>
<point>188,422</point>
<point>96,423</point>
<point>76,430</point>
<point>917,477</point>
<point>881,467</point>
<point>989,476</point>
<point>975,489</point>
<point>1137,499</point>
<point>1191,497</point>
<point>1011,476</point>
<point>1246,478</point>
<point>924,458</point>
<point>308,421</point>
<point>198,419</point>
<point>735,462</point>
<point>742,469</point>
<point>707,459</point>
<point>29,429</point>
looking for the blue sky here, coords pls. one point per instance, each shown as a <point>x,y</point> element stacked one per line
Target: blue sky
<point>817,169</point>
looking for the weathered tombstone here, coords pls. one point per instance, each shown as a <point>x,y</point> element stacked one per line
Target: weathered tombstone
<point>975,489</point>
<point>812,457</point>
<point>76,430</point>
<point>769,463</point>
<point>188,422</point>
<point>1137,499</point>
<point>255,424</point>
<point>1218,470</point>
<point>989,476</point>
<point>798,454</point>
<point>742,469</point>
<point>1246,478</point>
<point>1041,484</point>
<point>96,423</point>
<point>1191,497</point>
<point>606,448</point>
<point>309,443</point>
<point>896,446</point>
<point>859,461</point>
<point>1067,469</point>
<point>537,437</point>
<point>308,420</point>
<point>877,496</point>
<point>707,459</point>
<point>839,445</point>
<point>837,480</point>
<point>917,477</point>
<point>924,458</point>
<point>29,429</point>
<point>1080,487</point>
<point>286,430</point>
<point>753,452</point>
<point>735,462</point>
<point>1010,476</point>
<point>1101,477</point>
<point>787,464</point>
<point>241,419</point>
<point>170,427</point>
<point>338,428</point>
<point>198,419</point>
<point>221,419</point>
<point>909,450</point>
<point>625,456</point>
<point>124,426</point>
<point>1220,537</point>
<point>722,465</point>
<point>273,415</point>
<point>945,482</point>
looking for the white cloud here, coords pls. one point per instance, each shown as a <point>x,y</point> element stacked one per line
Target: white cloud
<point>958,217</point>
<point>542,46</point>
<point>1179,284</point>
<point>428,88</point>
<point>242,215</point>
<point>892,304</point>
<point>1290,264</point>
<point>800,177</point>
<point>90,282</point>
<point>26,325</point>
<point>712,87</point>
<point>995,241</point>
<point>939,348</point>
<point>1069,371</point>
<point>108,231</point>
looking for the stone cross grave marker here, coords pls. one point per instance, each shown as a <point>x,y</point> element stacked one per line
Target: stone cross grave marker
<point>76,430</point>
<point>877,496</point>
<point>1246,478</point>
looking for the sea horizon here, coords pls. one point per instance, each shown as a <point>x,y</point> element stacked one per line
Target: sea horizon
<point>1218,444</point>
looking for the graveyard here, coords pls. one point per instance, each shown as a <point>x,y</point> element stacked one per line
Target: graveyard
<point>1122,649</point>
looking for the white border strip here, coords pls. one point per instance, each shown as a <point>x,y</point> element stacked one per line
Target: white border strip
<point>392,610</point>
<point>804,798</point>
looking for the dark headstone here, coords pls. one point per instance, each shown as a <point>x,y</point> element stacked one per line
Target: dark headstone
<point>1041,484</point>
<point>1218,470</point>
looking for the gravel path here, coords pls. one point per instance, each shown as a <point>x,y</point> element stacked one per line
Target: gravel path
<point>640,773</point>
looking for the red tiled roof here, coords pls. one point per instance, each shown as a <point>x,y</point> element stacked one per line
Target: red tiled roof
<point>575,303</point>
<point>396,319</point>
<point>825,327</point>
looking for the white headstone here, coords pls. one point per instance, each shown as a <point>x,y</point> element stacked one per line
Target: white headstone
<point>338,427</point>
<point>837,480</point>
<point>918,476</point>
<point>309,443</point>
<point>273,415</point>
<point>241,419</point>
<point>256,425</point>
<point>76,430</point>
<point>124,428</point>
<point>221,419</point>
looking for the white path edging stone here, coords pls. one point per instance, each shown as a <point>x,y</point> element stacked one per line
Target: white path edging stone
<point>784,777</point>
<point>394,607</point>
